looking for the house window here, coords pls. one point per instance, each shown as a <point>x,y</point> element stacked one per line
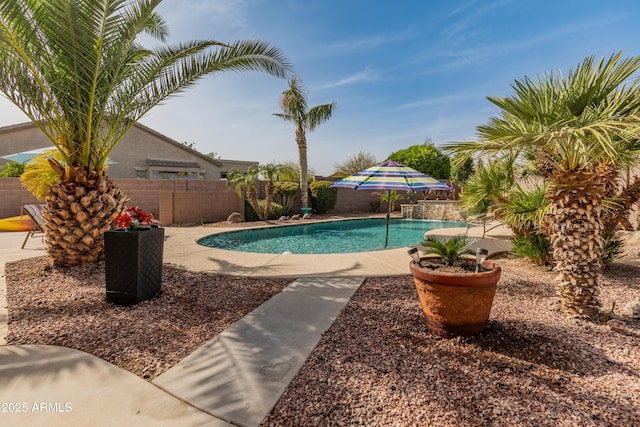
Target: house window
<point>168,174</point>
<point>174,169</point>
<point>223,175</point>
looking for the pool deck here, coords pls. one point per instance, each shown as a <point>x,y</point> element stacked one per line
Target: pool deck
<point>182,251</point>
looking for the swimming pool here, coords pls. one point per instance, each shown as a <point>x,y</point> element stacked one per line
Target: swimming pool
<point>332,237</point>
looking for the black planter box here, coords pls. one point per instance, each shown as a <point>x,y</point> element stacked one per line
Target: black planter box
<point>133,264</point>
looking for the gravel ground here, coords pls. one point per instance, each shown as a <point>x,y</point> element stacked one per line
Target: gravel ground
<point>377,365</point>
<point>67,307</point>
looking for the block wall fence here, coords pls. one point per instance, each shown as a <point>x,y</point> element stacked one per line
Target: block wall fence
<point>183,201</point>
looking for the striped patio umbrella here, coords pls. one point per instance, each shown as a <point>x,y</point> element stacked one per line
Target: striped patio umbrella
<point>391,175</point>
<point>26,157</point>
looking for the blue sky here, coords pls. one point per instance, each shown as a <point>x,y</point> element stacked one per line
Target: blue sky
<point>399,71</point>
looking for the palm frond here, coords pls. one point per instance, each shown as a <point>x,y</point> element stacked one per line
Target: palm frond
<point>76,69</point>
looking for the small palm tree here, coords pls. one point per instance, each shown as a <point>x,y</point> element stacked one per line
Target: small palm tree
<point>449,250</point>
<point>270,173</point>
<point>581,130</point>
<point>78,71</point>
<point>293,102</point>
<point>246,182</point>
<point>390,198</point>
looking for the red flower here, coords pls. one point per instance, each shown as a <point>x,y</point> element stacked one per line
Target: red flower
<point>133,217</point>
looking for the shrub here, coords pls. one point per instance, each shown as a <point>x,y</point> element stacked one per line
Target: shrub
<point>11,169</point>
<point>532,246</point>
<point>323,197</point>
<point>285,195</point>
<point>613,248</point>
<point>275,211</point>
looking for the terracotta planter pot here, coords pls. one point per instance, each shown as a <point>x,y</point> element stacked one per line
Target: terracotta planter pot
<point>456,304</point>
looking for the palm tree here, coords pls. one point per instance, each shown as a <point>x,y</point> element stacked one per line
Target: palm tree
<point>580,130</point>
<point>78,71</point>
<point>246,182</point>
<point>270,173</point>
<point>293,102</point>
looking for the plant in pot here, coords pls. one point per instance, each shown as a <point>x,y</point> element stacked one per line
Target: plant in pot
<point>133,257</point>
<point>456,292</point>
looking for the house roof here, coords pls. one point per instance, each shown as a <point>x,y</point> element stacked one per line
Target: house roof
<point>144,128</point>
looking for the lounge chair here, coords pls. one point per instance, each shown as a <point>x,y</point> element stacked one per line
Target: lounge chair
<point>35,213</point>
<point>485,220</point>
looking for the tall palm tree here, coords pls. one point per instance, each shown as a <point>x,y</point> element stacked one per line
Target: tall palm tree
<point>293,102</point>
<point>580,129</point>
<point>77,70</point>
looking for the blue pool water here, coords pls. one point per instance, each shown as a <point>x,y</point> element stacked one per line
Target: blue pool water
<point>355,235</point>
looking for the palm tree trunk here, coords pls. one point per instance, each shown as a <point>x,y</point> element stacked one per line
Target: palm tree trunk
<point>301,139</point>
<point>78,212</point>
<point>252,196</point>
<point>268,198</point>
<point>575,223</point>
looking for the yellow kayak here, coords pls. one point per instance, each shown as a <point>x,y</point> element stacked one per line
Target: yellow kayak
<point>16,223</point>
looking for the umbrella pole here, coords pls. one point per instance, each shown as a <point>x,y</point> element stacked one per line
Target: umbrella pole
<point>386,239</point>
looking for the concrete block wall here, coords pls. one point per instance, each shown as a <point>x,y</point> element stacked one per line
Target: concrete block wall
<point>198,206</point>
<point>13,196</point>
<point>184,201</point>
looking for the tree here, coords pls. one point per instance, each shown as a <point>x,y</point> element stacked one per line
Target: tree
<point>461,171</point>
<point>425,158</point>
<point>293,103</point>
<point>390,198</point>
<point>488,186</point>
<point>269,172</point>
<point>355,163</point>
<point>290,171</point>
<point>580,129</point>
<point>246,182</point>
<point>77,69</point>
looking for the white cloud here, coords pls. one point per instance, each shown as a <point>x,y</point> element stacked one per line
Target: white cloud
<point>366,75</point>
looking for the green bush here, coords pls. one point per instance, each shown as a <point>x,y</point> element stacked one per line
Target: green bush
<point>275,211</point>
<point>285,194</point>
<point>11,169</point>
<point>323,197</point>
<point>533,246</point>
<point>613,248</point>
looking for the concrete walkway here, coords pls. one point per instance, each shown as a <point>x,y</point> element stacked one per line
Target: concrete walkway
<point>240,374</point>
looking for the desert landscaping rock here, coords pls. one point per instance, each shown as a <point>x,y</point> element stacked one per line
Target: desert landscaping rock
<point>376,365</point>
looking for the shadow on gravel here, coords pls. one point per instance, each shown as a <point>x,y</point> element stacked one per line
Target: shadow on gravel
<point>540,344</point>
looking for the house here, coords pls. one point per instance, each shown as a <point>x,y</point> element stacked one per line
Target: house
<point>142,153</point>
